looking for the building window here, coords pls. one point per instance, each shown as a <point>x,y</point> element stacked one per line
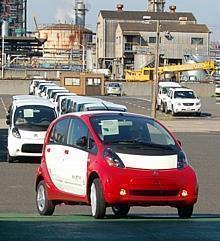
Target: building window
<point>152,40</point>
<point>197,41</point>
<point>72,81</point>
<point>93,81</point>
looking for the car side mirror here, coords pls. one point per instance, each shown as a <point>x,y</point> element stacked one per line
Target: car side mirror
<point>7,121</point>
<point>82,142</point>
<point>8,116</point>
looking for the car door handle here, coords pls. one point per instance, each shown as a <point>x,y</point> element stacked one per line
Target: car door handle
<point>66,152</point>
<point>48,149</point>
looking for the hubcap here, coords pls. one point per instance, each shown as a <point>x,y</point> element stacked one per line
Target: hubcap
<point>93,199</point>
<point>41,198</point>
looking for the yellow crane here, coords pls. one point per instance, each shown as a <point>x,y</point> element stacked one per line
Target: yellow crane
<point>147,74</point>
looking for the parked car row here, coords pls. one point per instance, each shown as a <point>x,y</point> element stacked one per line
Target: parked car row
<point>30,115</point>
<point>175,99</point>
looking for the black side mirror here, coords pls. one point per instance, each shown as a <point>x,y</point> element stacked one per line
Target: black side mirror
<point>8,122</point>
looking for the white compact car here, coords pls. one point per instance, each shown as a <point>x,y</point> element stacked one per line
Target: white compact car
<point>28,121</point>
<point>34,82</point>
<point>182,100</point>
<point>162,93</point>
<point>113,88</point>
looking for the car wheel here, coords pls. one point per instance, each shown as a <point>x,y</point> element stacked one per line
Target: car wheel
<point>166,109</point>
<point>98,205</point>
<point>162,109</point>
<point>173,112</point>
<point>185,212</point>
<point>10,159</point>
<point>44,206</point>
<point>121,210</point>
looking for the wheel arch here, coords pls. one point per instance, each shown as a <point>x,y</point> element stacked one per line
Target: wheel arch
<point>39,179</point>
<point>92,176</point>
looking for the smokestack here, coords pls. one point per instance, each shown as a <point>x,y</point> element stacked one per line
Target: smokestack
<point>80,13</point>
<point>156,5</point>
<point>119,7</point>
<point>172,9</point>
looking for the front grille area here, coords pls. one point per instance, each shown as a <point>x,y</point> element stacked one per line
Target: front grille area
<point>188,104</point>
<point>154,193</point>
<point>32,148</point>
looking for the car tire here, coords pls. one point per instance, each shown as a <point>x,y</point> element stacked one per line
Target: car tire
<point>45,207</point>
<point>166,108</point>
<point>173,112</point>
<point>98,204</point>
<point>121,210</point>
<point>10,159</point>
<point>198,114</point>
<point>162,109</point>
<point>185,212</point>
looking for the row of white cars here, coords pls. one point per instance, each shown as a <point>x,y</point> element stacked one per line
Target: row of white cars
<point>30,115</point>
<point>175,99</point>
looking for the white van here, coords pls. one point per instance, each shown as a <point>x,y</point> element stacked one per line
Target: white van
<point>162,93</point>
<point>34,82</point>
<point>28,121</point>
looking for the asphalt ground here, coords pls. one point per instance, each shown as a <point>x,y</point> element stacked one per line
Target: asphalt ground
<point>19,219</point>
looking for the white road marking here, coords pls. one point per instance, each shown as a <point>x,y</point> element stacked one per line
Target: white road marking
<point>4,106</point>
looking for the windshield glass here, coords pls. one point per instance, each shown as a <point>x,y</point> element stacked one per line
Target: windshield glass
<point>131,130</point>
<point>34,117</point>
<point>184,94</point>
<point>114,85</point>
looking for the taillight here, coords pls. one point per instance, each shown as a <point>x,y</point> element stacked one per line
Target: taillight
<point>182,161</point>
<point>112,158</point>
<point>15,133</point>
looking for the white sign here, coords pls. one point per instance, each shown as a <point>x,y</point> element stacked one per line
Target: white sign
<point>28,113</point>
<point>110,127</point>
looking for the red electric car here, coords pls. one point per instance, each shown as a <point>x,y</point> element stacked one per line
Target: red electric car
<point>113,159</point>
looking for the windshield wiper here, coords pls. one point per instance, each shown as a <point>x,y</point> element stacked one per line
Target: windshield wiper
<point>142,144</point>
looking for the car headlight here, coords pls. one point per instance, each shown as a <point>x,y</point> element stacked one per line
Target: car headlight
<point>112,158</point>
<point>198,103</point>
<point>16,133</point>
<point>178,103</point>
<point>182,161</point>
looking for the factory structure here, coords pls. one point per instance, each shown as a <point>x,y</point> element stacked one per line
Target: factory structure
<point>124,39</point>
<point>127,39</point>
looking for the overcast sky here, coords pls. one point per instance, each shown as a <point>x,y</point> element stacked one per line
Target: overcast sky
<point>52,11</point>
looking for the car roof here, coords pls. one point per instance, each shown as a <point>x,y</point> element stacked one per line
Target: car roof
<point>169,84</point>
<point>104,113</point>
<point>25,97</point>
<point>182,89</point>
<point>40,101</point>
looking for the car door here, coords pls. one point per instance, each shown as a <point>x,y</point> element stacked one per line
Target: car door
<point>55,153</point>
<point>76,158</point>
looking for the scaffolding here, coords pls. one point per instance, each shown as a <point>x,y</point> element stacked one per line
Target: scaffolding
<point>15,13</point>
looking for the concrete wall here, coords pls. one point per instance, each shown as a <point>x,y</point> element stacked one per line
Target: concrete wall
<point>129,89</point>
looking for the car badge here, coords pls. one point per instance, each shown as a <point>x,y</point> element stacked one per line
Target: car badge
<point>155,173</point>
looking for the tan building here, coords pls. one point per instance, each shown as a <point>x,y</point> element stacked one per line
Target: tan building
<point>87,84</point>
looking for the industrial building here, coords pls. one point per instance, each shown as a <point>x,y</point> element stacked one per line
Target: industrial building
<point>65,43</point>
<point>14,13</point>
<point>127,39</point>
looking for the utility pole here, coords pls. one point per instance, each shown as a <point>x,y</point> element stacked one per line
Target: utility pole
<point>156,74</point>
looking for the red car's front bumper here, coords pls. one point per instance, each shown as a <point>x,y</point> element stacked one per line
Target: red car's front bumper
<point>151,187</point>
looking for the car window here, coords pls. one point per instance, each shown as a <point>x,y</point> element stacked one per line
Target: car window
<point>184,94</point>
<point>59,132</point>
<point>129,129</point>
<point>78,134</point>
